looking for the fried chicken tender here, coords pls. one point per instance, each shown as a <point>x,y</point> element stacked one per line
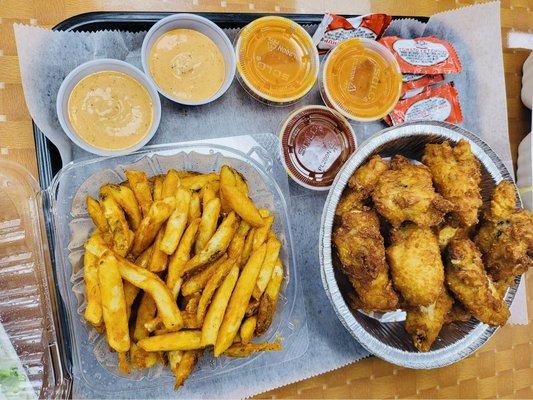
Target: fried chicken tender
<point>416,265</point>
<point>506,237</point>
<point>457,176</point>
<point>471,285</point>
<point>425,322</point>
<point>405,193</point>
<point>361,251</point>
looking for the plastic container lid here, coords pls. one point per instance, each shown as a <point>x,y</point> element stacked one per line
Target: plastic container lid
<point>315,143</point>
<point>361,79</point>
<point>30,354</point>
<point>276,60</point>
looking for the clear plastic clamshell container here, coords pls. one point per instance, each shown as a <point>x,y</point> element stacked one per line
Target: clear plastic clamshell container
<point>94,366</point>
<point>32,356</point>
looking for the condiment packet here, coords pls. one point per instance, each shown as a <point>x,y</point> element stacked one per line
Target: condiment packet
<point>425,55</point>
<point>334,29</point>
<point>434,104</point>
<point>414,84</point>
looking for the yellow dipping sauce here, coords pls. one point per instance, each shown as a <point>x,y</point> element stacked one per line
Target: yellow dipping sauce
<point>276,59</point>
<point>187,65</point>
<point>360,82</point>
<point>110,110</point>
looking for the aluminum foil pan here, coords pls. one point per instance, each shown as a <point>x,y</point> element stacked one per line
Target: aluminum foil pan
<point>384,334</point>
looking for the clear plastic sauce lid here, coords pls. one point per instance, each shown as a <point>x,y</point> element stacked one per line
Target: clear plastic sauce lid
<point>315,142</point>
<point>276,59</point>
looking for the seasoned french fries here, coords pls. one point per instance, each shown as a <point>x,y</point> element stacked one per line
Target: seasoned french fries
<point>176,223</point>
<point>239,301</point>
<point>273,246</point>
<point>179,262</point>
<point>141,189</point>
<point>196,182</point>
<point>113,303</point>
<point>118,226</point>
<point>211,286</point>
<point>159,212</point>
<point>208,224</point>
<point>216,246</point>
<point>268,302</point>
<point>151,283</point>
<point>247,329</point>
<point>215,313</point>
<point>237,200</point>
<point>93,310</point>
<point>181,340</point>
<point>125,198</point>
<point>179,259</point>
<point>246,350</point>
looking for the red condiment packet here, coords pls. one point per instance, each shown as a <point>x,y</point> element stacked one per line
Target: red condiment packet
<point>434,104</point>
<point>414,84</point>
<point>425,55</point>
<point>334,29</point>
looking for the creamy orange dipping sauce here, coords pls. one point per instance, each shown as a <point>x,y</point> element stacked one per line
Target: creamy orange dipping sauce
<point>110,110</point>
<point>187,65</point>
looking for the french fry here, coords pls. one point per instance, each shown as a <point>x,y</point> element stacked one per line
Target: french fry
<point>143,260</point>
<point>208,193</point>
<point>97,215</point>
<point>211,287</point>
<point>216,246</point>
<point>159,259</point>
<point>113,303</point>
<point>157,189</point>
<point>198,281</point>
<point>247,329</point>
<point>174,359</point>
<point>184,174</point>
<point>159,212</point>
<point>151,283</point>
<point>123,365</point>
<point>194,208</point>
<point>146,311</point>
<point>253,305</point>
<point>130,294</point>
<point>190,321</point>
<point>196,182</point>
<point>247,248</point>
<point>208,224</point>
<point>191,302</point>
<point>96,244</point>
<point>236,246</point>
<point>239,300</point>
<point>125,198</point>
<point>240,182</point>
<point>154,324</point>
<point>93,310</point>
<point>177,222</point>
<point>273,247</point>
<point>118,225</point>
<point>261,234</point>
<point>179,259</point>
<point>141,189</point>
<point>171,183</point>
<point>268,302</point>
<point>215,313</point>
<point>238,201</point>
<point>185,367</point>
<point>181,340</point>
<point>246,350</point>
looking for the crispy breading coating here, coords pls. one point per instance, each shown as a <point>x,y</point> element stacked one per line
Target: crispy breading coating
<point>457,176</point>
<point>425,322</point>
<point>471,285</point>
<point>361,251</point>
<point>416,265</point>
<point>405,193</point>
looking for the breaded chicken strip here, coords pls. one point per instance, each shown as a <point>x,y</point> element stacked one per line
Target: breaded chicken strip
<point>425,322</point>
<point>506,237</point>
<point>361,251</point>
<point>457,176</point>
<point>470,284</point>
<point>416,265</point>
<point>406,193</point>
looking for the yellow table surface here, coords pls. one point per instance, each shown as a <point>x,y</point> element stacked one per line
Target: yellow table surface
<point>501,368</point>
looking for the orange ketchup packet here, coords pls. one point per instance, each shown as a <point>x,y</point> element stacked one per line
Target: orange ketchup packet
<point>434,104</point>
<point>425,55</point>
<point>414,84</point>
